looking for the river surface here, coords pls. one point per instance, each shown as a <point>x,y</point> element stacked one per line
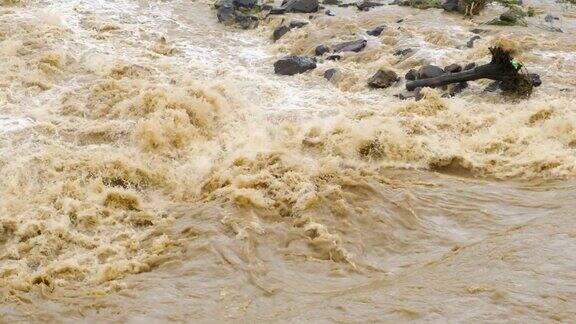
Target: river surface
<point>154,169</point>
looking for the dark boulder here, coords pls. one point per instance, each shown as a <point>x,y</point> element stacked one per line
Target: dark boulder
<point>365,5</point>
<point>479,31</point>
<point>282,30</point>
<point>469,66</point>
<point>549,18</point>
<point>294,64</point>
<point>453,68</point>
<point>456,88</point>
<point>404,95</point>
<point>450,5</point>
<point>321,50</point>
<point>246,21</point>
<point>429,71</point>
<point>330,74</point>
<point>226,12</point>
<point>411,75</point>
<point>353,46</point>
<point>277,11</point>
<point>418,94</point>
<point>536,81</point>
<point>334,57</point>
<point>470,42</point>
<point>376,31</point>
<point>297,24</point>
<point>403,52</point>
<point>279,32</point>
<point>303,6</point>
<point>245,3</point>
<point>331,2</point>
<point>383,79</point>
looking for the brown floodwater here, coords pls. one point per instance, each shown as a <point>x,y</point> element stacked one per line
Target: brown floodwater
<point>154,169</point>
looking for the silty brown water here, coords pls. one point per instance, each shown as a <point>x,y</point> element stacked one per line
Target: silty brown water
<point>153,168</point>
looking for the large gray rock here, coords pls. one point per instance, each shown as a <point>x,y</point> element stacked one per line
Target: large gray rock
<point>453,68</point>
<point>297,24</point>
<point>471,41</point>
<point>411,75</point>
<point>353,46</point>
<point>330,74</point>
<point>450,5</point>
<point>376,31</point>
<point>294,64</point>
<point>365,5</point>
<point>246,21</point>
<point>245,3</point>
<point>225,12</point>
<point>321,50</point>
<point>279,32</point>
<point>383,79</point>
<point>304,6</point>
<point>429,71</point>
<point>228,14</point>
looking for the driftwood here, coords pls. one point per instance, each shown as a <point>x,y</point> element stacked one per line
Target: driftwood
<point>500,69</point>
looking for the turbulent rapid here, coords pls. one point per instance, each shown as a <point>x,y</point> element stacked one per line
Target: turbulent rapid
<point>153,168</point>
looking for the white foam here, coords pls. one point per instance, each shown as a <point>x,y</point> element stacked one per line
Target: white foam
<point>12,124</point>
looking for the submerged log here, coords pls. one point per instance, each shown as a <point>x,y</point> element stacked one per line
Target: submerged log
<point>501,68</point>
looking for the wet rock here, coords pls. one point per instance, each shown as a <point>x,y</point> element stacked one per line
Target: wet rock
<point>403,52</point>
<point>246,21</point>
<point>225,12</point>
<point>279,32</point>
<point>297,24</point>
<point>469,66</point>
<point>513,17</point>
<point>383,79</point>
<point>282,30</point>
<point>321,50</point>
<point>450,5</point>
<point>549,18</point>
<point>331,2</point>
<point>334,57</point>
<point>277,10</point>
<point>471,41</point>
<point>479,31</point>
<point>330,74</point>
<point>399,20</point>
<point>376,31</point>
<point>365,5</point>
<point>457,88</point>
<point>303,6</point>
<point>404,95</point>
<point>245,3</point>
<point>411,75</point>
<point>453,68</point>
<point>294,64</point>
<point>429,71</point>
<point>536,81</point>
<point>228,14</point>
<point>353,46</point>
<point>329,13</point>
<point>418,94</point>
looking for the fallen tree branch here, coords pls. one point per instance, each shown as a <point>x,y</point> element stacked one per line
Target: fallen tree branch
<point>500,69</point>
